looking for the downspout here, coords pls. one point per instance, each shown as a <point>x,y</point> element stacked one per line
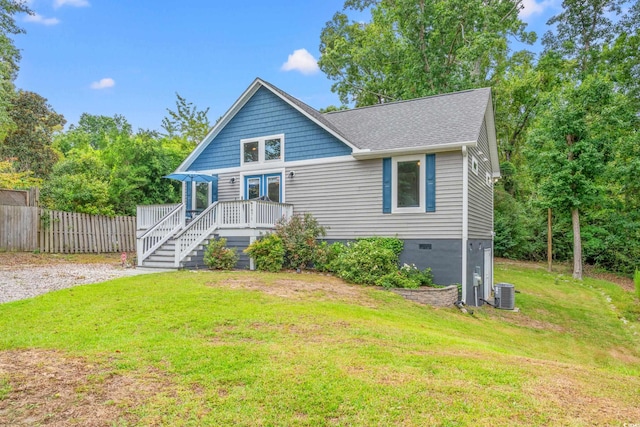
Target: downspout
<point>465,219</point>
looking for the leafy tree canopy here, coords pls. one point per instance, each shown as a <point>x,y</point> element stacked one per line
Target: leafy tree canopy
<point>186,122</point>
<point>417,48</point>
<point>29,142</point>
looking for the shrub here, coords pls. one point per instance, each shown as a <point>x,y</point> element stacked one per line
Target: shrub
<point>393,243</point>
<point>408,276</point>
<point>299,236</point>
<point>422,278</point>
<point>396,280</point>
<point>365,261</point>
<point>326,256</point>
<point>267,253</point>
<point>218,257</point>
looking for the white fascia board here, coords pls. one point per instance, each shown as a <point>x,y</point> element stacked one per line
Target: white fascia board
<point>262,166</point>
<point>240,102</point>
<point>361,155</point>
<point>491,136</point>
<point>310,117</point>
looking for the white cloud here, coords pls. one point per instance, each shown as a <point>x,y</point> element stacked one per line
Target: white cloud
<point>532,7</point>
<point>301,60</point>
<point>103,83</point>
<point>75,3</point>
<point>39,19</point>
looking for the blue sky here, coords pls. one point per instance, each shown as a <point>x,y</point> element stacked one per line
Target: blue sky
<point>129,57</point>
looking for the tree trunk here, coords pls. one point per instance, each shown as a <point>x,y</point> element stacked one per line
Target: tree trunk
<point>577,244</point>
<point>549,241</point>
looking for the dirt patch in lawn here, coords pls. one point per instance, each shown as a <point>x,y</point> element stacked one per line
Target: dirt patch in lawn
<point>49,388</point>
<point>582,401</point>
<point>13,260</point>
<point>311,286</point>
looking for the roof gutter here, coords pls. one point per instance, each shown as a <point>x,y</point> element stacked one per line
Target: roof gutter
<point>369,154</point>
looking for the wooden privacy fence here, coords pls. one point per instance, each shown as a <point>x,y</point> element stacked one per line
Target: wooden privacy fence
<point>29,229</point>
<point>70,232</point>
<point>18,228</point>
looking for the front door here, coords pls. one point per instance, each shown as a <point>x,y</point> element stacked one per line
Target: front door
<point>269,185</point>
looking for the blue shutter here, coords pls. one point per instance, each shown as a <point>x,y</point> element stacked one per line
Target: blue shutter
<point>214,190</point>
<point>430,173</point>
<point>386,185</point>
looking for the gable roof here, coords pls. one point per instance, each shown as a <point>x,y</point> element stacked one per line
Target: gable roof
<point>303,108</point>
<point>435,121</point>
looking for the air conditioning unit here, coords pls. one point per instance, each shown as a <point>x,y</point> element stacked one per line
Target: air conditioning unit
<point>505,296</point>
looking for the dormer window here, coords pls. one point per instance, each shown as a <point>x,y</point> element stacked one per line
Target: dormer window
<point>262,150</point>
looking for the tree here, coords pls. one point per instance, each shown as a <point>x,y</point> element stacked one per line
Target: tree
<point>29,141</point>
<point>14,180</point>
<point>570,146</point>
<point>79,184</point>
<point>186,122</point>
<point>573,141</point>
<point>417,48</point>
<point>93,131</point>
<point>9,57</point>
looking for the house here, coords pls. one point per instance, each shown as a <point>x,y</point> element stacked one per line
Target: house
<point>422,170</point>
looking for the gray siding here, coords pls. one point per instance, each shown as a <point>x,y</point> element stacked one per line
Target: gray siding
<point>346,198</point>
<point>480,194</point>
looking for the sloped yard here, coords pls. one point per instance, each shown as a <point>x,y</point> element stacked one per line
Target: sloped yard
<point>242,348</point>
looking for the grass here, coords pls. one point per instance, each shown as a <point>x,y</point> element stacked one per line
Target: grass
<point>636,281</point>
<point>280,349</point>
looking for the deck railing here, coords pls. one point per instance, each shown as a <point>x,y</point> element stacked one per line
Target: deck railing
<point>149,215</point>
<point>165,229</point>
<point>198,230</point>
<point>188,236</point>
<point>232,214</point>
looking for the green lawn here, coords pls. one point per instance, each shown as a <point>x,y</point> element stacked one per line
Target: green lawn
<point>242,348</point>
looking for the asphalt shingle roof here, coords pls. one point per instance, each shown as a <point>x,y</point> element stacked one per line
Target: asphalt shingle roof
<point>424,122</point>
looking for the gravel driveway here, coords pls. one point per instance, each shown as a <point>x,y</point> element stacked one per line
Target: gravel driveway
<point>26,281</point>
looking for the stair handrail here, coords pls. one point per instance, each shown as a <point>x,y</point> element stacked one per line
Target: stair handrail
<point>198,230</point>
<point>157,235</point>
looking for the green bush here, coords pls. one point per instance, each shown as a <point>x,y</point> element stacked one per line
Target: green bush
<point>396,280</point>
<point>267,253</point>
<point>365,261</point>
<point>408,276</point>
<point>636,279</point>
<point>393,243</point>
<point>299,235</point>
<point>326,256</point>
<point>218,257</point>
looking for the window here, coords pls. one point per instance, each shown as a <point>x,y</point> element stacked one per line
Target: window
<point>261,150</point>
<point>408,177</point>
<point>408,187</point>
<point>251,151</point>
<point>409,184</point>
<point>253,188</point>
<point>489,179</point>
<point>273,188</point>
<point>474,165</point>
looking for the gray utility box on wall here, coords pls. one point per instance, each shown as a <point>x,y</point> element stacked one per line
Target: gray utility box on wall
<point>505,296</point>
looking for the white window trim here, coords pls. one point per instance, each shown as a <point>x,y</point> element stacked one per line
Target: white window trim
<point>261,149</point>
<point>264,172</point>
<point>394,184</point>
<point>475,166</point>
